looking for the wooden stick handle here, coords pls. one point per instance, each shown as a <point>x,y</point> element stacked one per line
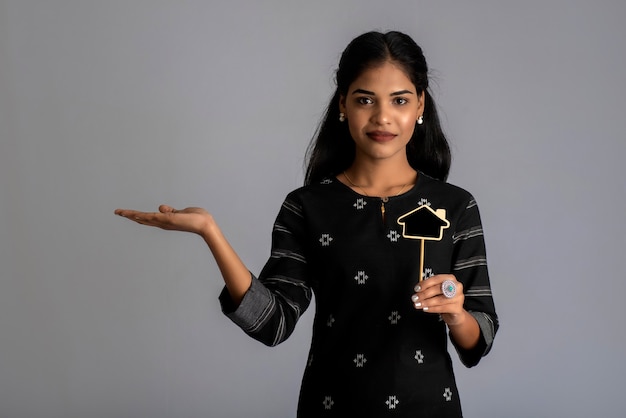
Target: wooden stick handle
<point>421,261</point>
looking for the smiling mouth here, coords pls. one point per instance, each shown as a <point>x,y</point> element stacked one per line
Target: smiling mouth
<point>381,136</point>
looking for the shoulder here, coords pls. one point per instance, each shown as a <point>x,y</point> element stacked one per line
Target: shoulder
<point>321,190</point>
<point>313,200</point>
<point>444,191</point>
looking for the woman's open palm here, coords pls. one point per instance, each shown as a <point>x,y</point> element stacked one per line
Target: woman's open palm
<point>189,219</point>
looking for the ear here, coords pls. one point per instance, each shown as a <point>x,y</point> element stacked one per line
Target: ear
<point>342,103</point>
<point>420,104</point>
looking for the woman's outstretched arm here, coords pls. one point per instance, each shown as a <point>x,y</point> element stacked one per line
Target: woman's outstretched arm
<point>236,275</point>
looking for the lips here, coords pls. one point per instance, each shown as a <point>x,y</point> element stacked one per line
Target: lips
<point>381,136</point>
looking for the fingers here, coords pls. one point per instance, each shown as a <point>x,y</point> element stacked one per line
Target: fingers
<point>130,213</point>
<point>439,294</point>
<point>127,213</point>
<point>166,209</point>
<point>147,218</point>
<point>189,220</point>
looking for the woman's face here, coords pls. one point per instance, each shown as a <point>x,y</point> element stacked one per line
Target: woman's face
<point>381,109</point>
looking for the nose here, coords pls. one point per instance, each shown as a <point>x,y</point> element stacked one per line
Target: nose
<point>381,114</point>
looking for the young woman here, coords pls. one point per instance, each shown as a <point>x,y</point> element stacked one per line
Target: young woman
<point>394,255</point>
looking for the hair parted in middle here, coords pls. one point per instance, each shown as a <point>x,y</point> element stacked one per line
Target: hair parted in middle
<point>332,149</point>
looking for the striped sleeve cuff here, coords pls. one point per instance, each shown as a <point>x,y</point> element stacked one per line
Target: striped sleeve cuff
<point>254,310</point>
<point>472,357</point>
<point>487,329</point>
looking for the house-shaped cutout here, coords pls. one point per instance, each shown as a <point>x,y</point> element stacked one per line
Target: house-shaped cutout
<point>424,223</point>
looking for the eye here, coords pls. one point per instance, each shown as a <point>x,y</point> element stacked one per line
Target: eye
<point>364,100</point>
<point>400,101</point>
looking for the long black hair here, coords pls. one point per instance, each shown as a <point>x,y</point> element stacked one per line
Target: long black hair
<point>332,149</point>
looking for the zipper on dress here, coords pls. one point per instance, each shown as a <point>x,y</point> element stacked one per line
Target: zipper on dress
<point>383,200</point>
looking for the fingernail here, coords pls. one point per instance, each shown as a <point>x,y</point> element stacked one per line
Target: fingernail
<point>418,305</point>
<point>418,288</point>
<point>425,308</point>
<point>414,298</point>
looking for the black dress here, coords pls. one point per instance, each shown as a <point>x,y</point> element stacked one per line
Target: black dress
<point>372,353</point>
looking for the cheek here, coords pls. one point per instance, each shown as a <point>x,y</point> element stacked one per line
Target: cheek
<point>354,130</point>
<point>408,123</point>
<point>356,122</point>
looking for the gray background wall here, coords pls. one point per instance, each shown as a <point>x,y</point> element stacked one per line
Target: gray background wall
<point>136,103</point>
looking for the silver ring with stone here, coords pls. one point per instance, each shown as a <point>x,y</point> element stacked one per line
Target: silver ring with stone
<point>448,288</point>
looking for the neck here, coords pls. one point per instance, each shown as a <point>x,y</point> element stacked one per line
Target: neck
<point>379,179</point>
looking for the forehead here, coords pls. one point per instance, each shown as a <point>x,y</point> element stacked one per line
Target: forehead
<point>387,76</point>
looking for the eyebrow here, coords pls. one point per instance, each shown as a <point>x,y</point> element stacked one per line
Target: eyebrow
<point>371,93</point>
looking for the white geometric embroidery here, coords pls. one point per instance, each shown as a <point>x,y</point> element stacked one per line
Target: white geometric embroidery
<point>330,321</point>
<point>326,181</point>
<point>360,203</point>
<point>428,273</point>
<point>361,277</point>
<point>360,360</point>
<point>419,357</point>
<point>447,394</point>
<point>325,240</point>
<point>393,235</point>
<point>394,317</point>
<point>392,402</point>
<point>423,202</point>
<point>328,402</point>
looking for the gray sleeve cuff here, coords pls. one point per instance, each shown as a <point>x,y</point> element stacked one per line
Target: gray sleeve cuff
<point>487,329</point>
<point>472,357</point>
<point>255,307</point>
